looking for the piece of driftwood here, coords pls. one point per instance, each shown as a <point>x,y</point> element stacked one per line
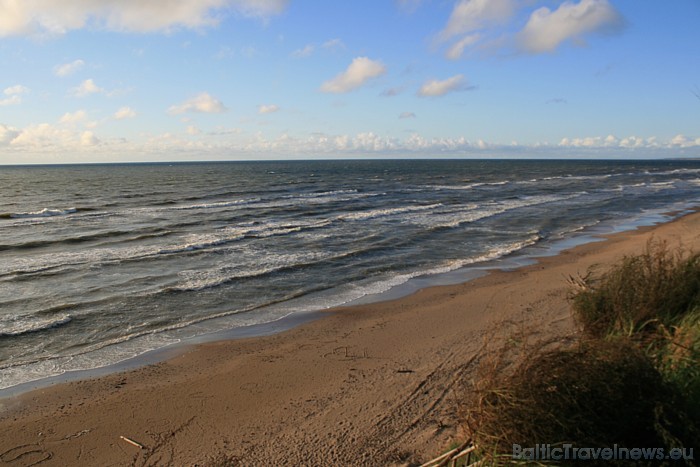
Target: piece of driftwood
<point>450,457</point>
<point>437,460</point>
<point>133,443</point>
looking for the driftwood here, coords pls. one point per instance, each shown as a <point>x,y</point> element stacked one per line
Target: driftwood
<point>451,457</point>
<point>133,443</point>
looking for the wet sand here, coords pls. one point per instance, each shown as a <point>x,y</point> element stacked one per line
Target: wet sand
<point>367,385</point>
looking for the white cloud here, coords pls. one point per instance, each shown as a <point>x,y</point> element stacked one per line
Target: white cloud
<point>66,144</point>
<point>683,141</point>
<point>358,73</point>
<point>68,68</point>
<point>73,118</point>
<point>45,136</point>
<point>202,103</point>
<point>30,17</point>
<point>16,90</point>
<point>12,100</point>
<point>86,88</point>
<point>610,140</point>
<point>14,95</point>
<point>457,49</point>
<point>628,143</point>
<point>268,109</point>
<point>124,113</point>
<point>407,115</point>
<point>7,134</point>
<point>492,25</point>
<point>305,52</point>
<point>546,30</point>
<point>87,138</point>
<point>469,16</point>
<point>435,88</point>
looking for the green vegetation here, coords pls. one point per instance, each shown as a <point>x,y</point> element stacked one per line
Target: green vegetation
<point>642,297</point>
<point>632,378</point>
<point>653,301</point>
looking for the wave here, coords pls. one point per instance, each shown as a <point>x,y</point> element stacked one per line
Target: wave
<point>135,235</point>
<point>428,215</point>
<point>46,212</point>
<point>675,172</point>
<point>220,204</point>
<point>321,194</point>
<point>21,325</point>
<point>363,215</point>
<point>194,280</point>
<point>449,266</point>
<point>468,186</point>
<point>282,201</point>
<point>115,356</point>
<point>644,173</point>
<point>669,184</point>
<point>205,279</point>
<point>99,256</point>
<point>458,215</point>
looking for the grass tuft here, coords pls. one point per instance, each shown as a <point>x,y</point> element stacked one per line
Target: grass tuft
<point>640,295</point>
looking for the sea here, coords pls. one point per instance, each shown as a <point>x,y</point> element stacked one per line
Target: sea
<point>103,263</point>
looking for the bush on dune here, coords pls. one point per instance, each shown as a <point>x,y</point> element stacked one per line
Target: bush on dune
<point>653,300</point>
<point>631,379</point>
<point>641,295</point>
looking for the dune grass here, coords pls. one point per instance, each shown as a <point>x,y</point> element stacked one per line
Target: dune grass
<point>631,378</point>
<point>653,300</point>
<point>642,296</point>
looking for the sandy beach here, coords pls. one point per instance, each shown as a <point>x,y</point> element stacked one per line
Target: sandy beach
<point>367,385</point>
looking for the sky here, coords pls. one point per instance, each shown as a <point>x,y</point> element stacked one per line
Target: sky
<point>174,80</point>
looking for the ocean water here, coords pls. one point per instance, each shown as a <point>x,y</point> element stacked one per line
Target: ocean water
<point>100,263</point>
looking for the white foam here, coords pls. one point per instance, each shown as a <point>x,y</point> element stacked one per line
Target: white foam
<point>46,212</point>
<point>220,204</point>
<point>466,214</point>
<point>385,285</point>
<point>363,215</point>
<point>18,325</point>
<point>187,243</point>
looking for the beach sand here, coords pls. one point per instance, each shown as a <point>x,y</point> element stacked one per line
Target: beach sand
<point>367,385</point>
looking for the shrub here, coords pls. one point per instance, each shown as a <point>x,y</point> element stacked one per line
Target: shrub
<point>632,378</point>
<point>595,394</point>
<point>640,294</point>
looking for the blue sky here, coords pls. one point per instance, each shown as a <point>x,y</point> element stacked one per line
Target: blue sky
<point>129,80</point>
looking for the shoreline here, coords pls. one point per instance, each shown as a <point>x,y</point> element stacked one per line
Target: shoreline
<point>364,380</point>
<point>527,256</point>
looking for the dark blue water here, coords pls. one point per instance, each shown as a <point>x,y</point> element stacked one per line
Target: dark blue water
<point>100,263</point>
